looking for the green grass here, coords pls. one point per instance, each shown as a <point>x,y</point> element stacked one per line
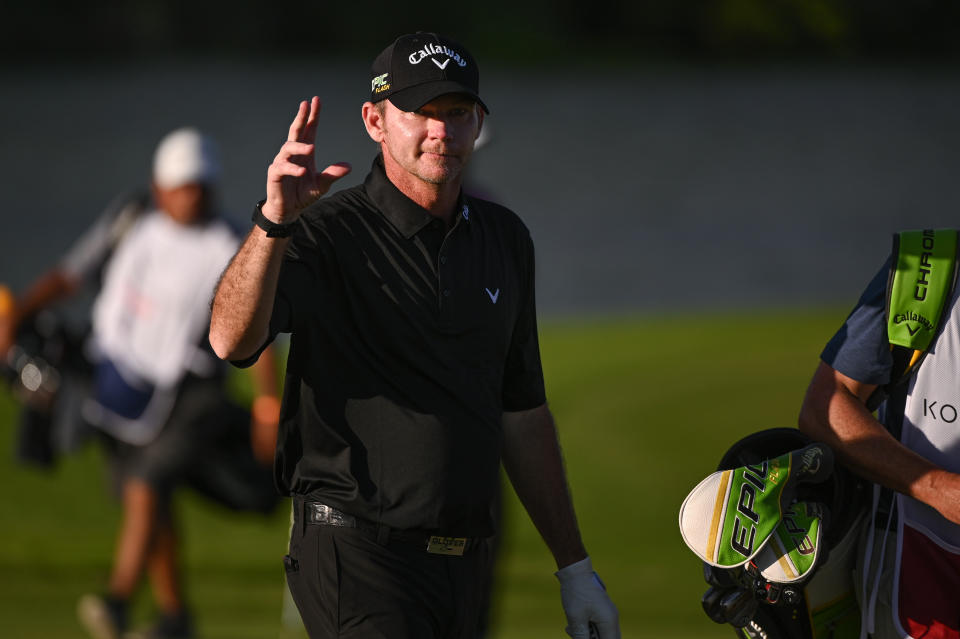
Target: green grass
<point>645,407</point>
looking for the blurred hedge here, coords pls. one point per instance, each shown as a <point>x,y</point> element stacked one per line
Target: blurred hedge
<point>540,31</point>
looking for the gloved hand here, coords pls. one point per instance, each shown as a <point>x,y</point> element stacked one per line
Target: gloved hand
<point>585,602</point>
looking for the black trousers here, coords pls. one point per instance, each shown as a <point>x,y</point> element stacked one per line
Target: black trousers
<point>347,585</point>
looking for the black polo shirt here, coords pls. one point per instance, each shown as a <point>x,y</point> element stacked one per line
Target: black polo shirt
<point>408,342</point>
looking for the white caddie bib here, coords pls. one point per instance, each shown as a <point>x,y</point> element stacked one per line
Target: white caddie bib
<point>154,307</point>
<point>152,313</point>
<point>927,567</point>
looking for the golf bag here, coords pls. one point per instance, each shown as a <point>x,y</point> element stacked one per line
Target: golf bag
<point>819,602</point>
<point>46,368</point>
<point>48,373</point>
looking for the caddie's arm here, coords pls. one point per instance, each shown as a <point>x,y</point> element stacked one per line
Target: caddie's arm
<point>244,298</point>
<point>265,409</point>
<point>532,459</point>
<point>44,291</point>
<point>834,411</point>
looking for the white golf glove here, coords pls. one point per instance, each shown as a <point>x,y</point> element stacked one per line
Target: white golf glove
<point>585,602</point>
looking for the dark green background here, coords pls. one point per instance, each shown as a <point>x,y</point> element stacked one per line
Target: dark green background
<point>553,31</point>
<point>645,407</point>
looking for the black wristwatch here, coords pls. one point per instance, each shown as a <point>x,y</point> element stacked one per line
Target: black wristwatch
<point>272,228</point>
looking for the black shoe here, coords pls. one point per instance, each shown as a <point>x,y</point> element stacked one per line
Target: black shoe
<point>103,617</point>
<point>176,626</point>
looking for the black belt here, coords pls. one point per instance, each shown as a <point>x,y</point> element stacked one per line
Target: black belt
<point>324,515</point>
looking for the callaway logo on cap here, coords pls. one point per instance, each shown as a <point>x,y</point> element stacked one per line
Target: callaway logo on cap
<point>419,67</point>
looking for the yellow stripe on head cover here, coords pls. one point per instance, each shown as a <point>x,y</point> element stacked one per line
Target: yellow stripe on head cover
<point>718,509</point>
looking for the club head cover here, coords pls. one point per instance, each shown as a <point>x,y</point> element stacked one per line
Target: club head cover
<point>793,551</point>
<point>711,602</point>
<point>738,607</point>
<point>717,576</point>
<point>730,515</point>
<point>771,622</point>
<point>812,464</point>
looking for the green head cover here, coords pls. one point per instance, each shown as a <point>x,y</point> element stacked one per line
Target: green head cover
<point>729,516</point>
<point>792,552</point>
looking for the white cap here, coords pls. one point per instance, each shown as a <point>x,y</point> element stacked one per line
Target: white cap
<point>185,156</point>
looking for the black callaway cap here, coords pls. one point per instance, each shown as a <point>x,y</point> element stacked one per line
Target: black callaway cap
<point>419,67</point>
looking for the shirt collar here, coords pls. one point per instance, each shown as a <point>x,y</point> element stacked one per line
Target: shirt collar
<point>404,214</point>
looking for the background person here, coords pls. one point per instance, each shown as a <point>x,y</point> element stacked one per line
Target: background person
<point>158,391</point>
<point>414,365</point>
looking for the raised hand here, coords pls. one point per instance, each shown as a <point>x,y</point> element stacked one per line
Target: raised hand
<point>292,179</point>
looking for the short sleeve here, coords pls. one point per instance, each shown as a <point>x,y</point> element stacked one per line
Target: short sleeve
<point>523,387</point>
<point>860,348</point>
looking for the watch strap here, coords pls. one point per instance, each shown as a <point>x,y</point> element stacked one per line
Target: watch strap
<point>272,228</point>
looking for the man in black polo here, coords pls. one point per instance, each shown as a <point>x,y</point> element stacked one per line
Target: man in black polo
<point>414,365</point>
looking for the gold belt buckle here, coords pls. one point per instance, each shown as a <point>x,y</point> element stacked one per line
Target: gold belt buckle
<point>447,545</point>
